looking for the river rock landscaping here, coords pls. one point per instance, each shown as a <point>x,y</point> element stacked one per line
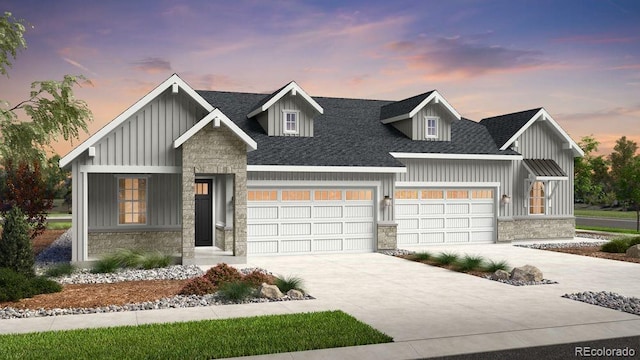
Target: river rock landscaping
<point>477,266</point>
<point>609,300</point>
<point>129,289</point>
<point>583,248</point>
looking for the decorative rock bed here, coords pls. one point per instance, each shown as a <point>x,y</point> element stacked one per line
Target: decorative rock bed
<point>609,300</point>
<point>546,246</point>
<point>508,280</point>
<point>60,251</point>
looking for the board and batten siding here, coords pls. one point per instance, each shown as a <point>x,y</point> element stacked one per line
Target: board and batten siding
<point>386,185</point>
<point>539,141</point>
<point>462,171</point>
<point>444,123</point>
<point>146,138</point>
<point>276,117</point>
<point>163,202</point>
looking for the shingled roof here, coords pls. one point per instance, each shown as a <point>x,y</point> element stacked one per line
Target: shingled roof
<point>503,127</point>
<point>349,133</point>
<point>402,107</point>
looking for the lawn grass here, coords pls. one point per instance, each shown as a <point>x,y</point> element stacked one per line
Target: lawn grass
<point>59,225</point>
<point>197,339</point>
<point>614,214</point>
<point>607,229</point>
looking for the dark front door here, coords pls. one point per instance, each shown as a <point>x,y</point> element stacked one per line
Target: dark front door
<point>204,213</point>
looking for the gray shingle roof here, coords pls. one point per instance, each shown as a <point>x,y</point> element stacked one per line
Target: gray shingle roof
<point>267,98</point>
<point>503,127</point>
<point>349,133</point>
<point>403,106</point>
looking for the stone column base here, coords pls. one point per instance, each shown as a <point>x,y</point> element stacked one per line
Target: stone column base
<point>387,236</point>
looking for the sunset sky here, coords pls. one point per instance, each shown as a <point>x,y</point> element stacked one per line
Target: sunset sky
<point>578,59</point>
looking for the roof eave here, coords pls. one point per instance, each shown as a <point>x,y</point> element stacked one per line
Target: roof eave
<point>292,87</point>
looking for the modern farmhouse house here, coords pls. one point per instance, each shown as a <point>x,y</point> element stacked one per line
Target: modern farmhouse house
<point>286,173</point>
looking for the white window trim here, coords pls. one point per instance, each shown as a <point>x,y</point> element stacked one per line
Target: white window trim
<point>284,121</point>
<point>426,126</point>
<point>146,200</point>
<point>528,186</point>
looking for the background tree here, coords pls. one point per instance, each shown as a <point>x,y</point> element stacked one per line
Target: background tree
<point>51,108</point>
<point>628,187</point>
<point>623,153</point>
<point>585,188</point>
<point>55,177</point>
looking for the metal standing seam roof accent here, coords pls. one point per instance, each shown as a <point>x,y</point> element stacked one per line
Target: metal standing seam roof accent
<point>544,168</point>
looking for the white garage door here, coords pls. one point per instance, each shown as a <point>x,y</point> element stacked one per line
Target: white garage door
<point>318,220</point>
<point>435,216</point>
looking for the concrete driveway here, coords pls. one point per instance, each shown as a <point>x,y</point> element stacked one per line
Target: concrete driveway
<point>439,312</point>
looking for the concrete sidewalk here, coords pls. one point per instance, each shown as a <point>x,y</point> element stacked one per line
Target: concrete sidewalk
<point>427,310</point>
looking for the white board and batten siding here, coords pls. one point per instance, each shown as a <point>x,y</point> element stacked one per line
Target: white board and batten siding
<point>275,119</point>
<point>310,220</point>
<point>440,215</point>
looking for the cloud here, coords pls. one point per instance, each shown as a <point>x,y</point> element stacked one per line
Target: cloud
<point>595,39</point>
<point>451,58</point>
<point>78,65</point>
<point>214,82</point>
<point>626,67</point>
<point>153,65</point>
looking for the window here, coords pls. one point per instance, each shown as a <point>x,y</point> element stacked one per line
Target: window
<point>432,194</point>
<point>358,195</point>
<point>482,194</point>
<point>132,201</point>
<point>406,194</point>
<point>290,121</point>
<point>296,195</point>
<point>202,189</point>
<point>457,194</point>
<point>262,195</point>
<point>431,130</point>
<point>537,198</point>
<point>327,195</point>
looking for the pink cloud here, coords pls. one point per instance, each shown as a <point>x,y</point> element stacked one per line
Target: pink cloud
<point>153,65</point>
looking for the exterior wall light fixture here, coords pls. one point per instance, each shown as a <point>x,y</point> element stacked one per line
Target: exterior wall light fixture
<point>506,199</point>
<point>386,201</point>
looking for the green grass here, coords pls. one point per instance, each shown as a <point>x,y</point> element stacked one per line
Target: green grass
<point>197,340</point>
<point>606,229</point>
<point>59,225</point>
<point>446,258</point>
<point>286,283</point>
<point>614,214</point>
<point>470,263</point>
<point>493,266</point>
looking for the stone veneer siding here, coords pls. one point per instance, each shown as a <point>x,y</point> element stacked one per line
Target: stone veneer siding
<point>387,236</point>
<point>214,151</point>
<point>525,229</point>
<point>167,242</point>
<point>224,238</point>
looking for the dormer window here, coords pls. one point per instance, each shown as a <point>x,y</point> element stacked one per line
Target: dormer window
<point>431,130</point>
<point>290,118</point>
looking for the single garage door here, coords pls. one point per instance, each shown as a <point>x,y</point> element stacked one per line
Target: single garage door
<point>317,220</point>
<point>436,216</point>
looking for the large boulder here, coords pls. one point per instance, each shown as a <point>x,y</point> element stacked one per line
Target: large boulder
<point>500,275</point>
<point>270,291</point>
<point>634,251</point>
<point>526,273</point>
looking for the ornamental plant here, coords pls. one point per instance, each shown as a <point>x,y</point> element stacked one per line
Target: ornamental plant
<point>16,252</point>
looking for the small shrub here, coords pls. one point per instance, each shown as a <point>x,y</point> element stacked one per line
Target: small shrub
<point>446,258</point>
<point>615,246</point>
<point>60,269</point>
<point>256,278</point>
<point>127,258</point>
<point>422,256</point>
<point>15,286</point>
<point>42,285</point>
<point>235,291</point>
<point>198,286</point>
<point>470,263</point>
<point>286,283</point>
<point>105,265</point>
<point>16,252</point>
<point>154,259</point>
<point>493,266</point>
<point>222,273</point>
<point>633,241</point>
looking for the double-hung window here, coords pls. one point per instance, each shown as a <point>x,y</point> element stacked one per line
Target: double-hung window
<point>537,199</point>
<point>290,118</point>
<point>431,128</point>
<point>132,201</point>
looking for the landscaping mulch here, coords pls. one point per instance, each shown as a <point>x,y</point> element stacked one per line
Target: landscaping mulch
<point>44,240</point>
<point>594,251</point>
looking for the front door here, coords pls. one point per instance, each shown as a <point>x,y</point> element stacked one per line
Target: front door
<point>204,213</point>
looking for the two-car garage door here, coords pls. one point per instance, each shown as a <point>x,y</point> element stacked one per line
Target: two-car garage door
<point>445,215</point>
<point>309,220</point>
